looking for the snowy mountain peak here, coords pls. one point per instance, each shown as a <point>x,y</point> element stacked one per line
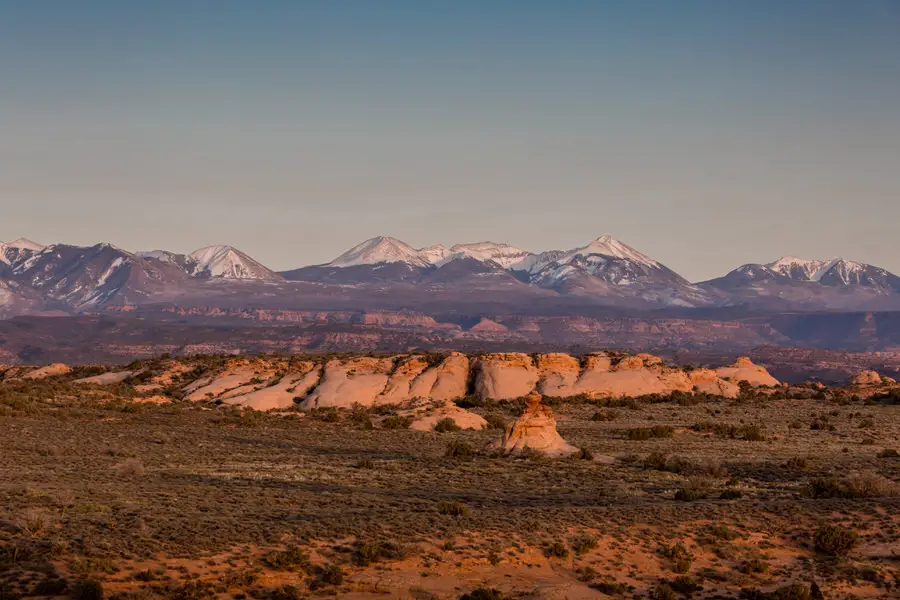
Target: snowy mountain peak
<point>609,246</point>
<point>833,272</point>
<point>226,262</point>
<point>381,249</point>
<point>24,244</point>
<point>505,255</point>
<point>434,254</point>
<point>15,251</point>
<point>800,269</point>
<point>160,255</point>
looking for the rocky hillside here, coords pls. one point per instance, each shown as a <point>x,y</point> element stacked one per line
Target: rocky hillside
<point>344,382</point>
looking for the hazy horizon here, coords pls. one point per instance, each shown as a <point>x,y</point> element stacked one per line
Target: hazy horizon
<point>705,134</point>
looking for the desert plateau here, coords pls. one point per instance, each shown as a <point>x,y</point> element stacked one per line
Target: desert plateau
<point>482,476</point>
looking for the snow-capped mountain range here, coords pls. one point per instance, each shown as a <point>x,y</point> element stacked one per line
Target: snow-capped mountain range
<point>60,277</point>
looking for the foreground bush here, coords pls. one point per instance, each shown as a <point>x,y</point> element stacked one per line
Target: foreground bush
<point>835,540</point>
<point>459,449</point>
<point>646,433</point>
<point>854,487</point>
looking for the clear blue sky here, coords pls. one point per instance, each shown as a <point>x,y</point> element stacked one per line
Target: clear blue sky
<point>705,133</point>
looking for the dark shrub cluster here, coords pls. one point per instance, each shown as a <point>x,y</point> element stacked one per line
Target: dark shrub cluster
<point>647,433</point>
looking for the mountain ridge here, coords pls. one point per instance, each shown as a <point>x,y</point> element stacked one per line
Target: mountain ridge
<point>604,272</point>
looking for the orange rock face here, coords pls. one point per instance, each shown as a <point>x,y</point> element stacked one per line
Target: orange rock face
<point>743,369</point>
<point>505,376</point>
<point>867,378</point>
<point>355,381</point>
<point>707,381</point>
<point>558,374</point>
<point>446,381</point>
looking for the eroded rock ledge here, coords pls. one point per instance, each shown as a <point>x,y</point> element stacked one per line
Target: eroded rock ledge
<point>267,383</point>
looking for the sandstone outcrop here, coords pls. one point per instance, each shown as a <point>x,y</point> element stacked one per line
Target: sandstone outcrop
<point>348,382</point>
<point>106,378</point>
<point>558,374</point>
<point>628,377</point>
<point>281,393</point>
<point>229,380</point>
<point>743,369</point>
<point>446,381</point>
<point>864,378</point>
<point>535,430</point>
<point>505,376</point>
<point>427,414</point>
<point>54,370</point>
<point>707,381</point>
<point>399,387</point>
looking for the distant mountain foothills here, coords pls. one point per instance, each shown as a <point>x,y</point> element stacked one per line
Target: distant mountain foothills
<point>604,292</point>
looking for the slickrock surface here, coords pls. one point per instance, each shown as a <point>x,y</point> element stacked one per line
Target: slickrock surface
<point>355,381</point>
<point>743,369</point>
<point>48,371</point>
<point>505,376</point>
<point>427,414</point>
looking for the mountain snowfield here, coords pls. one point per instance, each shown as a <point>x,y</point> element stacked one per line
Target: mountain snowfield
<point>605,271</point>
<point>225,262</point>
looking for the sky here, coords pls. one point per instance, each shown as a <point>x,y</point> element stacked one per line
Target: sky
<point>706,134</point>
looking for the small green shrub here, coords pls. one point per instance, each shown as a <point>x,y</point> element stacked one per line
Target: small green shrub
<point>663,592</point>
<point>482,594</point>
<point>367,553</point>
<point>582,544</point>
<point>459,449</point>
<point>754,566</point>
<point>453,509</point>
<point>287,560</point>
<point>87,590</point>
<point>397,422</point>
<point>556,550</point>
<point>797,463</point>
<point>685,585</point>
<point>689,494</point>
<point>609,414</point>
<point>723,533</point>
<point>446,425</point>
<point>646,433</point>
<point>835,540</point>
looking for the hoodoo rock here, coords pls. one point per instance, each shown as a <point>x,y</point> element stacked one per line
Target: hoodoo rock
<point>536,429</point>
<point>505,376</point>
<point>744,369</point>
<point>867,378</point>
